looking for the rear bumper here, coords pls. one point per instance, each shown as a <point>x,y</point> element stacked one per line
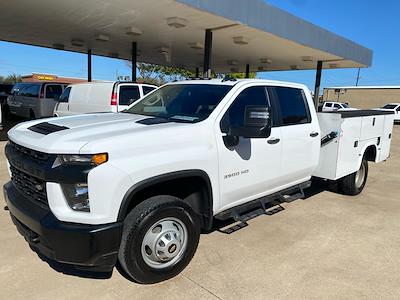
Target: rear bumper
<point>93,247</point>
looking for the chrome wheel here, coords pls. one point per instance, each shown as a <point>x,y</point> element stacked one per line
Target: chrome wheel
<point>164,243</point>
<point>360,176</point>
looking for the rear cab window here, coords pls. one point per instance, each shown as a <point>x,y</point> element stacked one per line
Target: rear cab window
<point>128,94</point>
<point>291,104</point>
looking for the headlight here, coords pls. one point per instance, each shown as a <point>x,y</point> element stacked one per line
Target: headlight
<point>83,159</point>
<point>77,196</point>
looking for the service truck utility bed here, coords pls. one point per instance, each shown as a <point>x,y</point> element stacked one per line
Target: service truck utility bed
<point>356,130</point>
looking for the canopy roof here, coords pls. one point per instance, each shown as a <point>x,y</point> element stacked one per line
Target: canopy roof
<point>171,32</point>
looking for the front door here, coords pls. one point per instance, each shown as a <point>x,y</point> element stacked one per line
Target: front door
<point>252,168</point>
<point>62,106</point>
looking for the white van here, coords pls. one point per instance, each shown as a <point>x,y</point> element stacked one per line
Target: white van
<point>95,97</point>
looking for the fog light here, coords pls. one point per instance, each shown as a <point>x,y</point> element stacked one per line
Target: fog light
<point>77,196</point>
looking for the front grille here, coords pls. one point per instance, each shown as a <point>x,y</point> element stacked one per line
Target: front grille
<point>30,186</point>
<point>36,155</point>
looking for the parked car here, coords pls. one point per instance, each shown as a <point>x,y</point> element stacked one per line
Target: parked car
<point>139,186</point>
<point>335,106</point>
<point>34,99</point>
<point>99,97</point>
<point>394,107</point>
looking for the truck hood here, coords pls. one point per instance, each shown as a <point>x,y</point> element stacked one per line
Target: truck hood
<point>70,134</point>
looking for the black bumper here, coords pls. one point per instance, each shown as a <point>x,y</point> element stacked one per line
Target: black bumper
<point>93,247</point>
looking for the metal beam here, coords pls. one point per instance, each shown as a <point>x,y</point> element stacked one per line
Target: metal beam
<point>134,61</point>
<point>247,71</point>
<point>207,53</point>
<point>197,72</point>
<point>89,65</point>
<point>317,83</point>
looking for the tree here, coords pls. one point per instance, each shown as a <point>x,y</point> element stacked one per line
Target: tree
<point>11,78</point>
<point>159,75</point>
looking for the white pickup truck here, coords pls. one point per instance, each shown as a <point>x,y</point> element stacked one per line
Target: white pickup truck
<point>139,186</point>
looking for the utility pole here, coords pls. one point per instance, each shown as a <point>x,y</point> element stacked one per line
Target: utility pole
<point>358,76</point>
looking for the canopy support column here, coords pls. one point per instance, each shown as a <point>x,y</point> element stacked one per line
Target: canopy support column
<point>247,71</point>
<point>89,65</point>
<point>207,53</point>
<point>317,83</point>
<point>134,61</point>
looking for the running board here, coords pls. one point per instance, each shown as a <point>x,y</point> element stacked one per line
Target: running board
<point>268,205</point>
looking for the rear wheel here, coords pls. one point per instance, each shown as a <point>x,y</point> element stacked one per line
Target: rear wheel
<point>354,183</point>
<point>159,239</point>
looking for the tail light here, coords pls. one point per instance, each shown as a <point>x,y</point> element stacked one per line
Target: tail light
<point>114,98</point>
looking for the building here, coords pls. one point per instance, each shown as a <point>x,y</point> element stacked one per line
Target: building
<point>363,96</point>
<point>38,77</point>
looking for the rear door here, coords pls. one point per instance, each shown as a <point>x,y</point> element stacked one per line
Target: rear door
<point>127,95</point>
<point>300,133</point>
<point>252,168</point>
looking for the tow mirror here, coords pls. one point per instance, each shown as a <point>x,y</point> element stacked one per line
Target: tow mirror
<point>257,124</point>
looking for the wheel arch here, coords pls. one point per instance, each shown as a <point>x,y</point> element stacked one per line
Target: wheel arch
<point>197,192</point>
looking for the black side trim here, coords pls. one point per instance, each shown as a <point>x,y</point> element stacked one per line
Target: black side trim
<point>360,113</point>
<point>130,194</point>
<point>46,128</point>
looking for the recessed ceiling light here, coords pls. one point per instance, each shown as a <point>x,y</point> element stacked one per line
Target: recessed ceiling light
<point>232,62</point>
<point>58,46</point>
<point>77,43</point>
<point>196,46</point>
<point>102,38</point>
<point>266,61</point>
<point>294,67</point>
<point>177,22</point>
<point>133,31</point>
<point>240,40</point>
<point>307,58</point>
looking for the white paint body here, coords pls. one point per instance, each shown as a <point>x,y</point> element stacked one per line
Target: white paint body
<point>335,106</point>
<point>95,97</point>
<point>138,152</point>
<point>395,110</point>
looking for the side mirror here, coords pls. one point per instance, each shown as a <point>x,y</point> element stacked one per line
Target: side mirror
<point>257,124</point>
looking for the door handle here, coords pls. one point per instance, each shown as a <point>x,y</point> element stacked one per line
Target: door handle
<point>314,134</point>
<point>273,141</point>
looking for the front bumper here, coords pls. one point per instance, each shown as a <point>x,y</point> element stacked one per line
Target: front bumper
<point>93,247</point>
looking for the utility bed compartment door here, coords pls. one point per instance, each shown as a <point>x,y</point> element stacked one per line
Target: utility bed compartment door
<point>371,126</point>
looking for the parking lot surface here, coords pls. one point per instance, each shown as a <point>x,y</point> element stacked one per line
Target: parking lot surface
<point>326,246</point>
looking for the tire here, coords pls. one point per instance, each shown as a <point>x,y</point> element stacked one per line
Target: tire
<point>147,227</point>
<point>354,183</point>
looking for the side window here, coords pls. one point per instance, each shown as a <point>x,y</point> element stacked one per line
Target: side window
<point>328,104</point>
<point>292,105</point>
<point>338,106</point>
<point>234,116</point>
<point>65,95</point>
<point>32,90</point>
<point>128,94</point>
<point>53,90</point>
<point>147,89</point>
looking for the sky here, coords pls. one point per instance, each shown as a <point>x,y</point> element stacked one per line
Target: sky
<point>371,23</point>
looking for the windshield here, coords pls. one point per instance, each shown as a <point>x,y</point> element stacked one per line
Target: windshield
<point>389,106</point>
<point>181,102</point>
<point>345,105</point>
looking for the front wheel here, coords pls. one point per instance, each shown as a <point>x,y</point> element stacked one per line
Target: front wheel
<point>159,239</point>
<point>354,183</point>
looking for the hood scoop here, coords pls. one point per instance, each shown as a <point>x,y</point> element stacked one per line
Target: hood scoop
<point>46,128</point>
